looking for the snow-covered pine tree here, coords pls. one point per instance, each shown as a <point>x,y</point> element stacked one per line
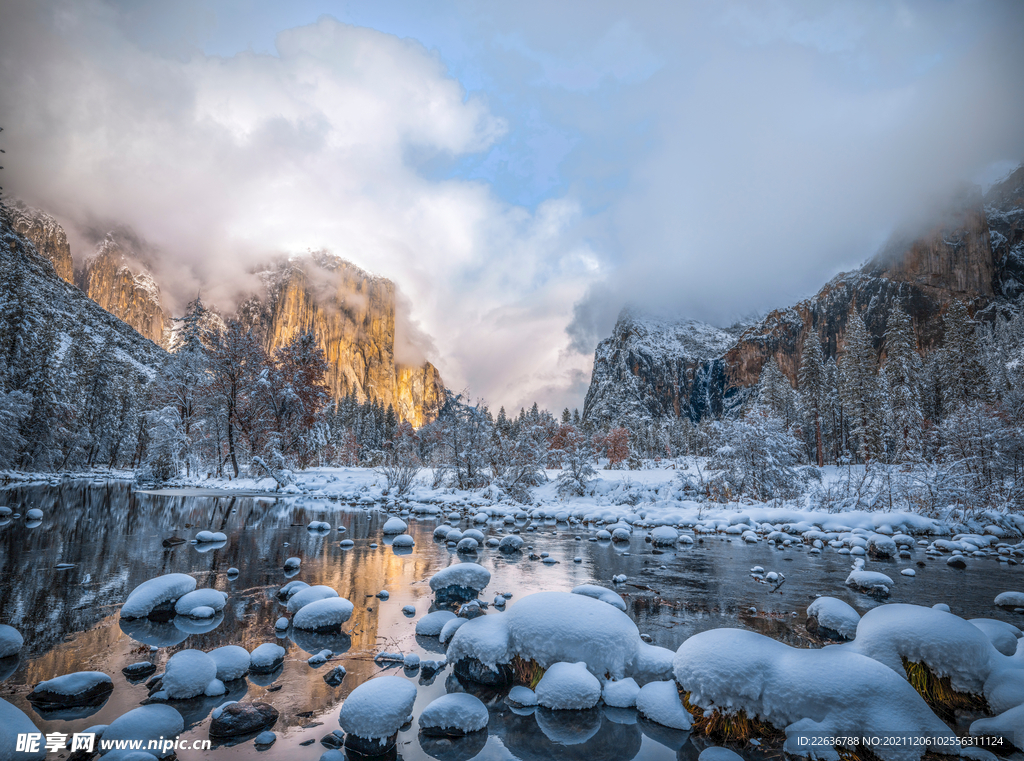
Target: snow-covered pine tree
<point>903,373</point>
<point>776,393</point>
<point>964,379</point>
<point>859,390</point>
<point>812,397</point>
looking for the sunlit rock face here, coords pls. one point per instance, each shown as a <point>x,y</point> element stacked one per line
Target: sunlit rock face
<point>47,236</point>
<point>116,279</point>
<point>352,314</point>
<point>972,251</point>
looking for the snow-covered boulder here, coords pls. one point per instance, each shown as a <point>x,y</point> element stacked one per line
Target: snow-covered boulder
<point>830,691</point>
<point>460,582</point>
<point>200,598</point>
<point>11,641</point>
<point>869,581</point>
<point>510,544</point>
<point>522,696</point>
<point>449,629</point>
<point>1002,635</point>
<point>156,594</point>
<point>13,722</point>
<point>664,536</point>
<point>394,526</point>
<point>304,597</point>
<point>568,686</point>
<point>266,658</point>
<point>232,662</point>
<point>375,711</point>
<point>832,618</point>
<point>600,593</point>
<point>432,623</point>
<point>82,688</point>
<point>719,754</point>
<point>620,693</point>
<point>188,673</point>
<point>467,545</point>
<point>150,722</point>
<point>204,537</point>
<point>660,702</point>
<point>553,627</point>
<point>1010,600</point>
<point>403,540</point>
<point>291,588</point>
<point>458,713</point>
<point>323,615</point>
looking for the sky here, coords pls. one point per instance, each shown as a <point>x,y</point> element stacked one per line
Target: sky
<point>523,170</point>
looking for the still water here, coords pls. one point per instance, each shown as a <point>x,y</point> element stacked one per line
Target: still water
<point>113,536</point>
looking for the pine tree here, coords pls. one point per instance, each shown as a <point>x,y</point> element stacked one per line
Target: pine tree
<point>813,392</point>
<point>903,374</point>
<point>776,393</point>
<point>859,390</point>
<point>964,379</point>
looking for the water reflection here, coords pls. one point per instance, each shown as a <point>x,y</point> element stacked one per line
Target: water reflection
<point>114,539</point>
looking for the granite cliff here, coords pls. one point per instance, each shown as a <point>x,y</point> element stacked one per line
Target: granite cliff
<point>972,251</point>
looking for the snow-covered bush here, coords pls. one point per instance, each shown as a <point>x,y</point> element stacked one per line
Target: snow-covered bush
<point>755,456</point>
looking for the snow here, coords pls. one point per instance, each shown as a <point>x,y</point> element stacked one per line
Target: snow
<point>660,702</point>
<point>304,597</point>
<point>620,693</point>
<point>12,723</point>
<point>831,691</point>
<point>232,662</point>
<point>34,514</point>
<point>11,641</point>
<point>568,686</point>
<point>432,623</point>
<point>600,593</point>
<point>834,614</point>
<point>155,593</point>
<point>522,696</point>
<point>70,685</point>
<point>868,580</point>
<point>329,613</point>
<point>188,673</point>
<point>209,598</point>
<point>1002,635</point>
<point>510,544</point>
<point>211,536</point>
<point>458,711</point>
<point>449,629</point>
<point>292,563</point>
<point>467,576</point>
<point>375,710</point>
<point>291,588</point>
<point>394,526</point>
<point>266,657</point>
<point>149,722</point>
<point>664,536</point>
<point>552,627</point>
<point>719,754</point>
<point>1010,600</point>
<point>403,540</point>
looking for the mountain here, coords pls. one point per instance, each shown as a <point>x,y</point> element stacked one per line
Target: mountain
<point>46,235</point>
<point>656,366</point>
<point>36,298</point>
<point>116,278</point>
<point>353,315</point>
<point>972,251</point>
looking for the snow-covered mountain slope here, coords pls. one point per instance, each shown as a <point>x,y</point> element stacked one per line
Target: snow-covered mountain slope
<point>652,367</point>
<point>973,251</point>
<point>32,296</point>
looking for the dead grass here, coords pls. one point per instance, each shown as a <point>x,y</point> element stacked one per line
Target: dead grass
<point>938,693</point>
<point>526,673</point>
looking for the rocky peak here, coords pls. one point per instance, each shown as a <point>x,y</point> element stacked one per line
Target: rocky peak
<point>46,235</point>
<point>352,314</point>
<point>117,278</point>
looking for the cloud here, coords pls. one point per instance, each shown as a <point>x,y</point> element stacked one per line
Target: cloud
<point>712,159</point>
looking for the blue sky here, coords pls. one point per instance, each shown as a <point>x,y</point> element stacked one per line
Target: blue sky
<point>521,171</point>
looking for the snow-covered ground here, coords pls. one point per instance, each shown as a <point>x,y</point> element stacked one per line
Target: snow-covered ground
<point>647,498</point>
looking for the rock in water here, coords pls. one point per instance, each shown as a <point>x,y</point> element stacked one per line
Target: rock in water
<point>238,719</point>
<point>84,688</point>
<point>458,713</point>
<point>156,594</point>
<point>374,712</point>
<point>11,641</point>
